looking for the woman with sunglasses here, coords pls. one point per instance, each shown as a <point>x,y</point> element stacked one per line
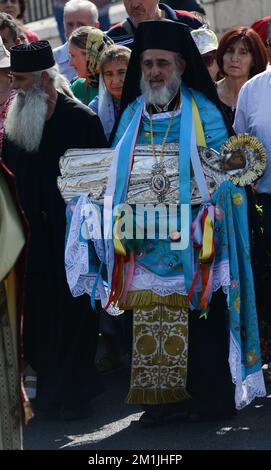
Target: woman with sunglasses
<point>240,55</point>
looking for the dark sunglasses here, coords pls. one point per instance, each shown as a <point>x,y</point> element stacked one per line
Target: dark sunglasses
<point>209,59</point>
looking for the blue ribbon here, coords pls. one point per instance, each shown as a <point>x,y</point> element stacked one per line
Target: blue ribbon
<point>122,180</point>
<point>184,182</point>
<point>125,156</point>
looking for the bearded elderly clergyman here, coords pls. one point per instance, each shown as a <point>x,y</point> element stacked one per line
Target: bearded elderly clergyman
<point>195,350</point>
<point>60,334</point>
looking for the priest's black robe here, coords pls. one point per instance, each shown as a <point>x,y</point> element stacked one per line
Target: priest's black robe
<point>61,332</point>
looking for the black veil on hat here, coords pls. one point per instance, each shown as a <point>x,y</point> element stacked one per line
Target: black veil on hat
<point>175,37</point>
<point>33,57</point>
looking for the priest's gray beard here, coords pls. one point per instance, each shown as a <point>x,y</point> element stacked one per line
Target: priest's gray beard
<point>162,95</point>
<point>26,118</point>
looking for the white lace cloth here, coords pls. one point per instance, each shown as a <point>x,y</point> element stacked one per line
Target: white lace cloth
<point>79,279</point>
<point>245,390</point>
<point>144,279</point>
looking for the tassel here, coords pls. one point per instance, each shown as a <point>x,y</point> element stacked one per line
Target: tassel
<point>112,290</point>
<point>119,278</point>
<point>203,230</point>
<point>137,396</point>
<point>129,278</point>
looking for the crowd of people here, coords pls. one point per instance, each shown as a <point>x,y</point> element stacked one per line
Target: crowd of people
<point>162,96</point>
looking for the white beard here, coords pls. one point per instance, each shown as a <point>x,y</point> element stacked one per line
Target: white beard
<point>162,95</point>
<point>26,118</point>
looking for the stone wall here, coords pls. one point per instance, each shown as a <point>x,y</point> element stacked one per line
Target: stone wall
<point>226,13</point>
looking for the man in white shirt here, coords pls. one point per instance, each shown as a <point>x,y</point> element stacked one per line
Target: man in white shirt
<point>253,115</point>
<point>76,13</point>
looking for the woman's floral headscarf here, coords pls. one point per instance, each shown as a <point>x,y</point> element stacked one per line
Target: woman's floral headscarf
<point>97,42</point>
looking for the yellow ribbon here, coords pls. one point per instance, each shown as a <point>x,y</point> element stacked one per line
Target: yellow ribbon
<point>207,249</point>
<point>200,138</point>
<point>118,245</point>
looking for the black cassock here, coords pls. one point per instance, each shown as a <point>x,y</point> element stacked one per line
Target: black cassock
<point>60,332</point>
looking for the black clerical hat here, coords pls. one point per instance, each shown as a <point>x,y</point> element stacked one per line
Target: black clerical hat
<point>165,35</point>
<point>33,57</point>
<point>170,36</point>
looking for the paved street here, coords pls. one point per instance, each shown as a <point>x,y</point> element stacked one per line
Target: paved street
<point>114,427</point>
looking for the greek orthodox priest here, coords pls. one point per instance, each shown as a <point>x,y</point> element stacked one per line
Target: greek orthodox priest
<point>60,334</point>
<point>195,338</point>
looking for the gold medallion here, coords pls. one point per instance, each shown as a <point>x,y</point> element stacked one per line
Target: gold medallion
<point>160,182</point>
